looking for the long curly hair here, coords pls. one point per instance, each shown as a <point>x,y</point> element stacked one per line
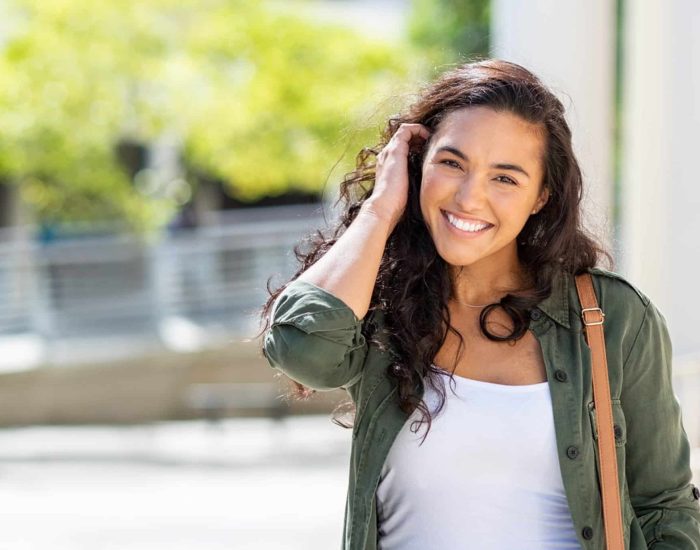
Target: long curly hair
<point>413,285</point>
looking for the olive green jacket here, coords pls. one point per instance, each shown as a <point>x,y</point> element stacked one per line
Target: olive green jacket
<point>316,339</point>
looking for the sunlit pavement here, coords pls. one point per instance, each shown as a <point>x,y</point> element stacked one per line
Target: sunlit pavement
<point>242,484</point>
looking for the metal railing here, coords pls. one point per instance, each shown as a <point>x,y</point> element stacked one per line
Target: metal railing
<point>193,285</point>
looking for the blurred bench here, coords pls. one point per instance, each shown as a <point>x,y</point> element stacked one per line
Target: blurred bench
<point>219,400</point>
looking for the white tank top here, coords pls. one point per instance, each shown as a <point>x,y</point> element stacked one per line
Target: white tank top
<point>486,477</point>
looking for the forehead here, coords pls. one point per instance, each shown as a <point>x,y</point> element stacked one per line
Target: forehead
<point>483,131</point>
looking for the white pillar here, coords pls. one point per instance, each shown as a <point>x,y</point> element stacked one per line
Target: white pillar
<point>570,45</point>
<point>644,153</point>
<point>660,178</point>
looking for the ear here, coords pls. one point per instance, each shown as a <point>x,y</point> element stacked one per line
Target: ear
<point>541,201</point>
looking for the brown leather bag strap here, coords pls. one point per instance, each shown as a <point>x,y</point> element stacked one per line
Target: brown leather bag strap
<point>592,317</point>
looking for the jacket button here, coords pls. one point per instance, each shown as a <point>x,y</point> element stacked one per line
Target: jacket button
<point>696,493</point>
<point>560,375</point>
<point>618,431</point>
<point>587,532</point>
<point>572,451</point>
<point>535,314</point>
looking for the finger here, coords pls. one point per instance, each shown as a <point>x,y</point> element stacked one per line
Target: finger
<point>408,130</point>
<point>422,132</point>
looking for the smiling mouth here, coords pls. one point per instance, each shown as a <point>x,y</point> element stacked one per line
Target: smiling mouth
<point>466,228</point>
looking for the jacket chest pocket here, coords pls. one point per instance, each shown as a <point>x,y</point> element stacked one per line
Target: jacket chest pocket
<point>619,423</point>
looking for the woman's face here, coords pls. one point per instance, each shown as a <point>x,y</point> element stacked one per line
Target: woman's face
<point>481,167</point>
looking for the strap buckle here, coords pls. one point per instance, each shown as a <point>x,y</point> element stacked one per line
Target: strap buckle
<point>583,316</point>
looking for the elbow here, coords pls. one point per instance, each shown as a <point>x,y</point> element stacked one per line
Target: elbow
<point>310,360</point>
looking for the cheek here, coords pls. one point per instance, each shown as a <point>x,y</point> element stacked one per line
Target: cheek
<point>430,188</point>
<point>429,195</point>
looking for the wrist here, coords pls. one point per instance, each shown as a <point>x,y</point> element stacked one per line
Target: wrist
<point>382,214</point>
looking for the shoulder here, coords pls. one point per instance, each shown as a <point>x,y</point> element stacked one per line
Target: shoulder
<point>625,305</point>
<point>631,317</point>
<point>615,286</point>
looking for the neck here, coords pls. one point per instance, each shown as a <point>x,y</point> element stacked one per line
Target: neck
<point>481,285</point>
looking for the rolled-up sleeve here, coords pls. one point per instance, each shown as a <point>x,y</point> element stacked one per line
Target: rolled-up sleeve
<point>657,448</point>
<point>315,338</point>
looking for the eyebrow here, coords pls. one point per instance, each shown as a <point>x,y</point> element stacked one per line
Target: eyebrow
<point>500,166</point>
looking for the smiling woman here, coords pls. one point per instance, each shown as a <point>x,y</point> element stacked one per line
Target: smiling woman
<point>457,254</point>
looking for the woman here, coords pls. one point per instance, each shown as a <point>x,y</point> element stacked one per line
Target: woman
<point>454,266</point>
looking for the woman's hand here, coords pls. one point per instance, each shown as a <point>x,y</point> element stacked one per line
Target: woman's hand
<point>390,193</point>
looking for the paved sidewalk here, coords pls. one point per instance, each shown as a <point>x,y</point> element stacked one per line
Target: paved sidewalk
<point>244,484</point>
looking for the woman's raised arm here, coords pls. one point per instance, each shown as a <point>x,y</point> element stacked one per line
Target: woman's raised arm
<point>315,334</point>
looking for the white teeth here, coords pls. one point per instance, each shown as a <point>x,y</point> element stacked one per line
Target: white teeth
<point>465,226</point>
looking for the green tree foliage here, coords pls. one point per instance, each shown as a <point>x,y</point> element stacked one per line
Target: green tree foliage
<point>71,86</point>
<point>293,97</point>
<point>257,96</point>
<point>450,31</point>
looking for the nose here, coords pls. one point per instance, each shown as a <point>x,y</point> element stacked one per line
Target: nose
<point>470,194</point>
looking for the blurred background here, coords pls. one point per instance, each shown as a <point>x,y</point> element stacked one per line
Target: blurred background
<point>160,159</point>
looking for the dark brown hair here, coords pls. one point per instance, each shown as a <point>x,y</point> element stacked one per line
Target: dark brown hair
<point>413,285</point>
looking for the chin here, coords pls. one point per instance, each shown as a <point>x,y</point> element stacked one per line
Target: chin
<point>456,259</point>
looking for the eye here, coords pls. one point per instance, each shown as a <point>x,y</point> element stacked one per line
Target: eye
<point>454,163</point>
<point>509,180</point>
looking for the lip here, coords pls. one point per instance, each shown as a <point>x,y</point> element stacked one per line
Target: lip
<point>459,232</point>
<point>466,219</point>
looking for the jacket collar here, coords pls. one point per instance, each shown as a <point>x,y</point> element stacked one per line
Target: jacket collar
<point>556,305</point>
